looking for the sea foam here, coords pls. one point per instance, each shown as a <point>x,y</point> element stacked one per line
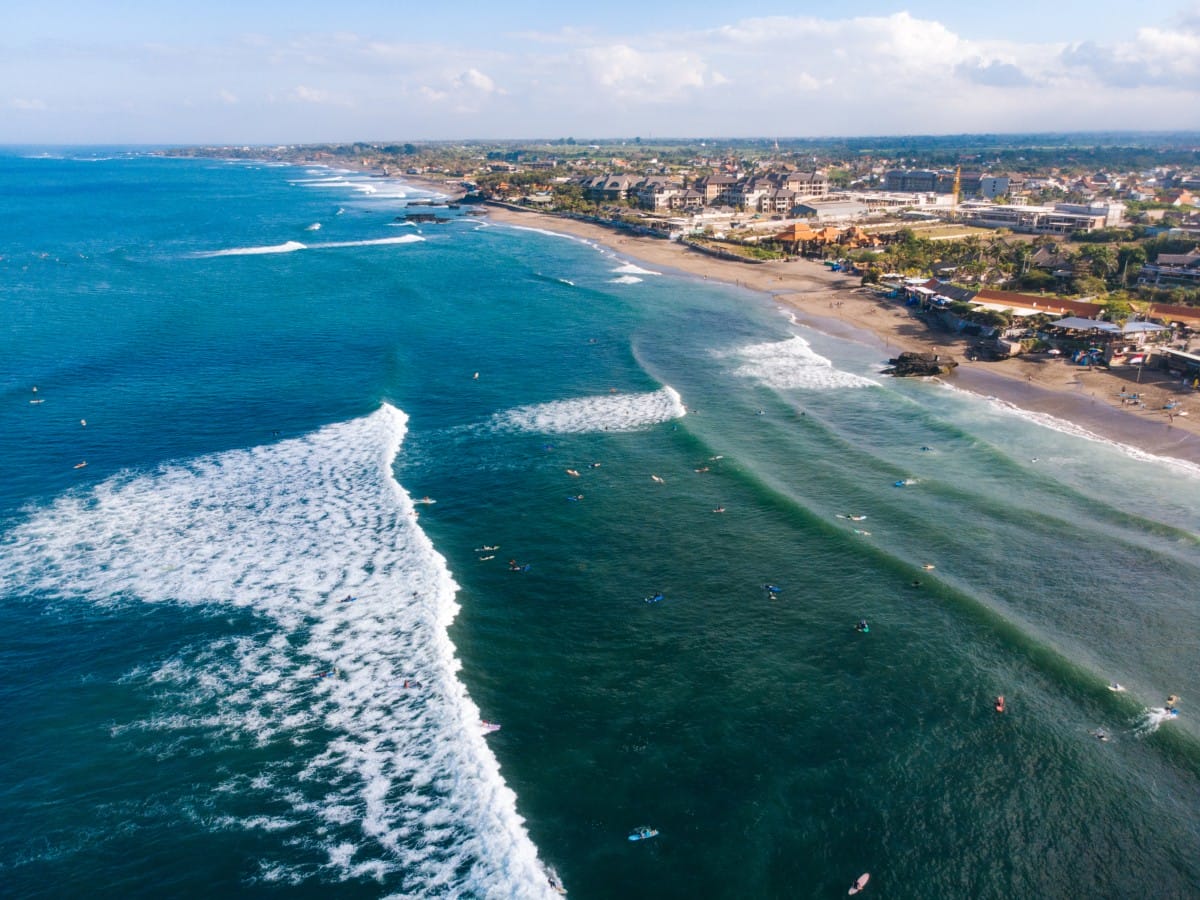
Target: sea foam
<point>791,364</point>
<point>292,246</point>
<point>1063,426</point>
<point>605,412</point>
<point>371,778</point>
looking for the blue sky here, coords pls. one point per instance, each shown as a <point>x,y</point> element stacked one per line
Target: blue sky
<point>273,72</point>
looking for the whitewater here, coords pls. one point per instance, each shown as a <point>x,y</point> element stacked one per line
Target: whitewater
<point>388,771</point>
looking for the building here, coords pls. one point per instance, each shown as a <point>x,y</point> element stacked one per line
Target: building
<point>1173,268</point>
<point>609,188</point>
<point>914,181</point>
<point>826,211</point>
<point>993,186</point>
<point>1059,219</point>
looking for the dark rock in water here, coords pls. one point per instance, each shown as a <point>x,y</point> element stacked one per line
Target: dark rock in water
<point>920,364</point>
<point>424,217</point>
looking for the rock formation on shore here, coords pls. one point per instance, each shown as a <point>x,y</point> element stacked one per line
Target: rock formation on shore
<point>920,364</point>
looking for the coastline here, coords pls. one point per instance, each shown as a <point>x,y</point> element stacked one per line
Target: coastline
<point>836,304</point>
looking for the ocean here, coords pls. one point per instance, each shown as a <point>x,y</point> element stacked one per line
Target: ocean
<point>242,655</point>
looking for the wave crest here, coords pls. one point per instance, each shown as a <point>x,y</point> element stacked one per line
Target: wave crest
<point>606,412</point>
<point>374,776</point>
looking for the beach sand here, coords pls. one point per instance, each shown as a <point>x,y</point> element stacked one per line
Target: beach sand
<point>837,304</point>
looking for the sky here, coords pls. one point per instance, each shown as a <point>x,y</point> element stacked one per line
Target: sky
<point>268,72</point>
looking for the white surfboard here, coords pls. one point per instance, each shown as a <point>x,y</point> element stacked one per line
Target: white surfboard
<point>860,884</point>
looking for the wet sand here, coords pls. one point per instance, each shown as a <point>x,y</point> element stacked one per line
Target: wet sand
<point>837,304</point>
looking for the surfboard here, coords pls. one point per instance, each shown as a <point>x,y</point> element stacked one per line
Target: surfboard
<point>860,884</point>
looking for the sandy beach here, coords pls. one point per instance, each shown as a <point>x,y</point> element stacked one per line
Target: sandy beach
<point>837,304</point>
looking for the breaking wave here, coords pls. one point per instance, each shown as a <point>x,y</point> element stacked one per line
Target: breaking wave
<point>792,364</point>
<point>382,771</point>
<point>606,412</point>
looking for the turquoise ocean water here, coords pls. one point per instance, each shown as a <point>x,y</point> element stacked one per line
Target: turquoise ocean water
<point>193,706</point>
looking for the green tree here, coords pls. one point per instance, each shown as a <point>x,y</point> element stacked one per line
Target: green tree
<point>1101,259</point>
<point>1130,257</point>
<point>1117,309</point>
<point>1090,286</point>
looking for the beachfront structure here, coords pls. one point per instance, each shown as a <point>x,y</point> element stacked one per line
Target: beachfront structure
<point>1116,341</point>
<point>609,188</point>
<point>775,193</point>
<point>1062,218</point>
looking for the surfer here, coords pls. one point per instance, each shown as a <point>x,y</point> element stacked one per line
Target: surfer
<point>573,473</point>
<point>719,509</point>
<point>1000,704</point>
<point>927,566</point>
<point>862,627</point>
<point>916,582</point>
<point>1172,701</point>
<point>658,595</point>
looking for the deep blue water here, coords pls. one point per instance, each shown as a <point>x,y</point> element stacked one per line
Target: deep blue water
<point>193,704</point>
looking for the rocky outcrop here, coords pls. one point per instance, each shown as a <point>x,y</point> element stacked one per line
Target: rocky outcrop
<point>920,364</point>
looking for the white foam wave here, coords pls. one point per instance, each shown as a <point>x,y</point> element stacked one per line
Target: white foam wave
<point>287,247</point>
<point>554,234</point>
<point>791,364</point>
<point>606,412</point>
<point>625,279</point>
<point>631,269</point>
<point>373,242</point>
<point>1151,719</point>
<point>1065,427</point>
<point>292,246</point>
<point>373,777</point>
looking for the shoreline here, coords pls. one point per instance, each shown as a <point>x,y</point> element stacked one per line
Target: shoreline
<point>837,304</point>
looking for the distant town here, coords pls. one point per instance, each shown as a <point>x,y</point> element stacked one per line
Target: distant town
<point>1097,228</point>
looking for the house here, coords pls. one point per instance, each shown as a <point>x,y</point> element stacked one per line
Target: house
<point>1053,257</point>
<point>609,188</point>
<point>714,186</point>
<point>1178,197</point>
<point>1173,268</point>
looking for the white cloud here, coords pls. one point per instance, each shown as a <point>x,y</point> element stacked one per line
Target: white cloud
<point>319,96</point>
<point>474,80</point>
<point>793,75</point>
<point>651,76</point>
